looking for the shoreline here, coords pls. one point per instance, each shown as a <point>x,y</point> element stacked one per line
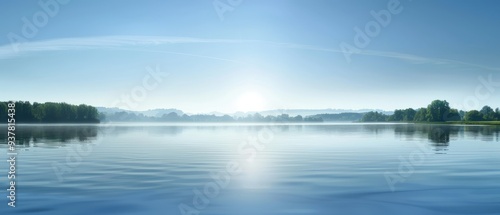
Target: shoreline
<point>493,123</point>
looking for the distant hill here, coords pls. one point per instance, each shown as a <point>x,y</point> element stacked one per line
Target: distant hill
<point>327,115</point>
<point>308,112</point>
<point>147,113</point>
<point>161,112</point>
<point>276,112</point>
<point>340,117</point>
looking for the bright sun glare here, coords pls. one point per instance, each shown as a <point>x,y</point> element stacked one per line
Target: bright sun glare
<point>250,101</point>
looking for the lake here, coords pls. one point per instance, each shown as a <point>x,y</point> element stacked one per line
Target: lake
<point>249,169</point>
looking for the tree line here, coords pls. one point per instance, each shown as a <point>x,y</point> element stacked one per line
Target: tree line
<point>50,112</point>
<point>436,111</point>
<point>339,117</point>
<point>174,117</point>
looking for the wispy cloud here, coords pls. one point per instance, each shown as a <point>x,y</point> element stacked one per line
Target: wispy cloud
<point>109,42</point>
<point>415,59</point>
<point>424,60</point>
<point>125,42</point>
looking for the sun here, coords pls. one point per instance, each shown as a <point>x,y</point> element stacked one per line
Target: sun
<point>250,101</point>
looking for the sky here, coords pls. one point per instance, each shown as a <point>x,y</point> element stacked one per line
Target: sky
<point>228,55</point>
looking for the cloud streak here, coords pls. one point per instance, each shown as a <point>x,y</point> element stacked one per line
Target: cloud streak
<point>415,59</point>
<point>121,42</point>
<point>108,42</point>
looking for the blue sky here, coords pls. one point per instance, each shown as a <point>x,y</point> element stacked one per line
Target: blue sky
<point>262,55</point>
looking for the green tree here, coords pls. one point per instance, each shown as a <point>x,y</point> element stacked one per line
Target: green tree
<point>3,112</point>
<point>453,115</point>
<point>421,115</point>
<point>298,118</point>
<point>406,115</point>
<point>474,115</point>
<point>92,114</point>
<point>397,116</point>
<point>172,117</point>
<point>24,112</point>
<point>374,117</point>
<point>68,113</point>
<point>409,114</point>
<point>38,112</point>
<point>437,111</point>
<point>85,113</point>
<point>51,112</point>
<point>283,118</point>
<point>488,113</point>
<point>258,117</point>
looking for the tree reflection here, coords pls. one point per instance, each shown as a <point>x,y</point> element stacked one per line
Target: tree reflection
<point>440,136</point>
<point>64,134</point>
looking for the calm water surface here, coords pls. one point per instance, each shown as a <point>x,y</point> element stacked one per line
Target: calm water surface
<point>284,169</point>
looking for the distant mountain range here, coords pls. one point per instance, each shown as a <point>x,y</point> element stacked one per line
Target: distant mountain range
<point>276,112</point>
<point>310,112</point>
<point>302,112</point>
<point>148,113</point>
